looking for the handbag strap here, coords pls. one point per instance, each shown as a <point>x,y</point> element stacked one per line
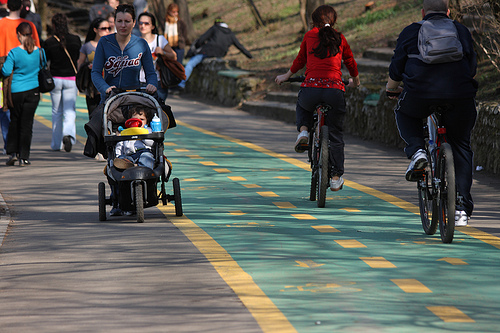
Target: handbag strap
<point>42,57</point>
<point>71,60</point>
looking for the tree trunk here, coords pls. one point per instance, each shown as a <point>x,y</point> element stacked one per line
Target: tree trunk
<point>310,8</point>
<point>184,15</point>
<point>303,18</point>
<point>256,14</point>
<point>160,10</point>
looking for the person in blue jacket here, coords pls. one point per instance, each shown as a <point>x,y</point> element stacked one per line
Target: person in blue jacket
<point>450,83</point>
<point>120,56</point>
<point>24,62</point>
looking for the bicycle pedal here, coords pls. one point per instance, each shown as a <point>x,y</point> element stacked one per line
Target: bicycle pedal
<point>303,146</point>
<point>415,175</point>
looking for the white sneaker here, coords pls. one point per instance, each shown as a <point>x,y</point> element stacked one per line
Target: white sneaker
<point>461,218</point>
<point>417,164</point>
<point>336,184</point>
<point>301,143</point>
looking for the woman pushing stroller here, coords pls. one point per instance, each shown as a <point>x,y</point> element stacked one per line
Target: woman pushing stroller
<point>120,56</point>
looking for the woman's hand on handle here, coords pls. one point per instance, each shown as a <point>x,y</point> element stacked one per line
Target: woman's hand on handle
<point>282,78</point>
<point>110,89</point>
<point>150,89</point>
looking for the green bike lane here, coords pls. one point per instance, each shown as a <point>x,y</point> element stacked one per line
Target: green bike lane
<point>361,263</point>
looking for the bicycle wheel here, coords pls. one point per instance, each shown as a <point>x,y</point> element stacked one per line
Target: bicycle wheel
<point>447,193</point>
<point>323,166</point>
<point>139,202</point>
<point>427,203</point>
<point>313,157</point>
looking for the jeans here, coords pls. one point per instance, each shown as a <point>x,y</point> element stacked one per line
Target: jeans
<point>21,122</point>
<point>180,53</point>
<point>458,121</point>
<point>63,112</point>
<point>143,157</point>
<point>192,63</point>
<point>4,123</point>
<point>307,101</point>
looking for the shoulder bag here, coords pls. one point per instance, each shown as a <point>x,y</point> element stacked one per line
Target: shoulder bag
<point>45,79</point>
<point>171,71</point>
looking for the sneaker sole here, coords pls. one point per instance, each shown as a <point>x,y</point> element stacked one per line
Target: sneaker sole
<point>417,172</point>
<point>337,189</point>
<point>67,144</point>
<point>301,145</point>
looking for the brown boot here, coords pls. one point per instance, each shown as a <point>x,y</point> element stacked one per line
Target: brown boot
<point>122,163</point>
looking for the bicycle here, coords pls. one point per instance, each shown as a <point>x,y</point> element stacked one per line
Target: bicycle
<point>318,151</point>
<point>437,194</point>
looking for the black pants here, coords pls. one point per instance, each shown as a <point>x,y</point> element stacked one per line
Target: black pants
<point>459,122</point>
<point>21,122</point>
<point>307,101</point>
<point>92,103</point>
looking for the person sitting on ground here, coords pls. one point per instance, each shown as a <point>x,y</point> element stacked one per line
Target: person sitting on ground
<point>131,152</point>
<point>213,43</point>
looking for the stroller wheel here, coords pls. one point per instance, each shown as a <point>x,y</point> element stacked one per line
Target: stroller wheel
<point>139,202</point>
<point>102,201</point>
<point>177,197</point>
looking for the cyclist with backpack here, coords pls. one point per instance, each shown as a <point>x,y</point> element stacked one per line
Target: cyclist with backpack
<point>437,71</point>
<point>322,51</point>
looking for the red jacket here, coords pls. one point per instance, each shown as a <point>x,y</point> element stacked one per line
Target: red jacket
<point>328,68</point>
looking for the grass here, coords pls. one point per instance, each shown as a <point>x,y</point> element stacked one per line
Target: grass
<point>275,46</point>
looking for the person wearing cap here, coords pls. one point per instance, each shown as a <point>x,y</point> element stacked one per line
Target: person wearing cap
<point>215,42</point>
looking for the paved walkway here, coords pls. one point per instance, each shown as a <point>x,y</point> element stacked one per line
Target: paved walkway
<point>62,270</point>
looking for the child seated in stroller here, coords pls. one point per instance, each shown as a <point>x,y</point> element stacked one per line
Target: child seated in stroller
<point>136,152</point>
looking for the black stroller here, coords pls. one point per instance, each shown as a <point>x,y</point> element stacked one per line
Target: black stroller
<point>135,188</point>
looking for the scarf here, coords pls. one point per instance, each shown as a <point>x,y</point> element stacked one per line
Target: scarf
<point>171,33</point>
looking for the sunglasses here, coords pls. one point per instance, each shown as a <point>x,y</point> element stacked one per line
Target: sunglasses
<point>105,28</point>
<point>144,23</point>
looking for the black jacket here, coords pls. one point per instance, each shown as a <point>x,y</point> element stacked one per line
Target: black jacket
<point>215,42</point>
<point>434,81</point>
<point>60,64</point>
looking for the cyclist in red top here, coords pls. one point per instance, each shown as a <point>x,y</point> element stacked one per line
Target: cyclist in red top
<point>322,51</point>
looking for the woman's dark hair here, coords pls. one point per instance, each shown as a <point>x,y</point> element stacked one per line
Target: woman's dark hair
<point>24,28</point>
<point>126,8</point>
<point>324,18</point>
<point>153,21</point>
<point>60,24</point>
<point>94,25</point>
